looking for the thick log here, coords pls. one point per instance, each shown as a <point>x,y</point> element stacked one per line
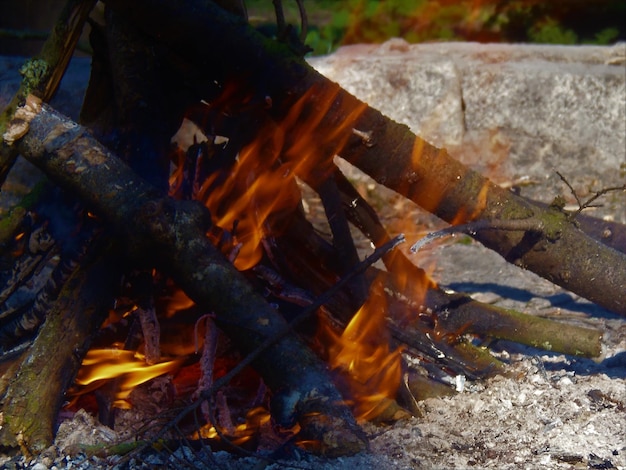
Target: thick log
<point>175,231</point>
<point>36,390</point>
<point>551,245</point>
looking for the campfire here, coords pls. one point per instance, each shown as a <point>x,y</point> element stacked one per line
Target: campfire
<point>197,229</point>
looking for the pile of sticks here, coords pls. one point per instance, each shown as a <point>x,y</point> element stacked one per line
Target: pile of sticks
<point>153,61</point>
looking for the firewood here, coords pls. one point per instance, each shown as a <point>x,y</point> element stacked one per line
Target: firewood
<point>42,74</point>
<point>390,154</point>
<point>35,392</point>
<point>452,314</point>
<point>176,230</point>
<point>149,222</point>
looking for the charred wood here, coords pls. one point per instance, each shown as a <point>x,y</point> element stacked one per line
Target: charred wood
<point>295,101</point>
<point>341,236</point>
<point>176,230</point>
<point>35,393</point>
<point>391,154</point>
<point>57,233</point>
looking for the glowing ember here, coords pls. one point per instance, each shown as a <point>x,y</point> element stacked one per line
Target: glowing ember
<point>255,419</point>
<point>101,365</point>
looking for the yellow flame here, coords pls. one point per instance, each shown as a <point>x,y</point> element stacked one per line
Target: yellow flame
<point>363,355</point>
<point>100,365</point>
<point>261,186</point>
<point>255,418</point>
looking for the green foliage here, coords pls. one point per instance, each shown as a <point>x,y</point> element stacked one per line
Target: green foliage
<point>33,72</point>
<point>334,23</point>
<point>325,38</point>
<point>606,36</point>
<point>552,33</point>
<point>374,21</point>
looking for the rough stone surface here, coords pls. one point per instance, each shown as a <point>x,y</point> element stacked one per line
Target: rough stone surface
<point>510,111</point>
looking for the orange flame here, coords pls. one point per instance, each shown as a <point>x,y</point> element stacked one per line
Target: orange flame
<point>242,433</point>
<point>101,365</point>
<point>176,302</point>
<point>362,355</point>
<point>251,197</point>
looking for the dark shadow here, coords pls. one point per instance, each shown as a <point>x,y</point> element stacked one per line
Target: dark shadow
<point>562,299</point>
<point>613,367</point>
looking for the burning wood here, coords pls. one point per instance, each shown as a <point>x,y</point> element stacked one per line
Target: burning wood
<point>253,259</point>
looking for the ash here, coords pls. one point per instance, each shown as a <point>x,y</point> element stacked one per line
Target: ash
<point>551,412</point>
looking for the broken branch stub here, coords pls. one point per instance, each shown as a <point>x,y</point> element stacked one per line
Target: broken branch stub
<point>303,390</point>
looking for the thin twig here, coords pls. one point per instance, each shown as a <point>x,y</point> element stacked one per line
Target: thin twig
<point>280,17</point>
<point>530,224</point>
<point>588,203</point>
<point>598,194</point>
<point>304,21</point>
<point>571,188</point>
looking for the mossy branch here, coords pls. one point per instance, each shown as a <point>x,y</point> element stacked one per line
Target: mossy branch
<point>42,74</point>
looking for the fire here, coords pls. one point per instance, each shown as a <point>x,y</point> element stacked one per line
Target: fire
<point>241,433</point>
<point>100,365</point>
<point>177,301</point>
<point>252,195</point>
<point>363,356</point>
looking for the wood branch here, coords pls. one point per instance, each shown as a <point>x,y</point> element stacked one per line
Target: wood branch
<point>42,74</point>
<point>300,102</point>
<point>461,313</point>
<point>456,312</point>
<point>609,232</point>
<point>390,153</point>
<point>35,393</point>
<point>303,391</point>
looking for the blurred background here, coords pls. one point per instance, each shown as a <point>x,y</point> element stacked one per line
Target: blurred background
<point>332,23</point>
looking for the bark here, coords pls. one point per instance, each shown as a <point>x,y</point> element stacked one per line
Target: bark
<point>42,74</point>
<point>411,292</point>
<point>36,391</point>
<point>457,312</point>
<point>304,102</point>
<point>301,103</point>
<point>608,232</point>
<point>303,391</point>
<point>461,313</point>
